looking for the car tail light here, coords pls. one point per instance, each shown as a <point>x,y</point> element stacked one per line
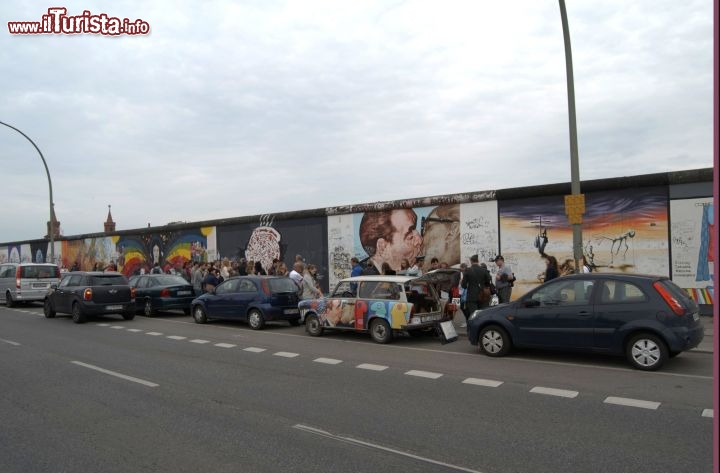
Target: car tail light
<point>674,304</point>
<point>87,294</point>
<point>132,293</point>
<point>265,286</point>
<point>165,293</point>
<point>18,272</point>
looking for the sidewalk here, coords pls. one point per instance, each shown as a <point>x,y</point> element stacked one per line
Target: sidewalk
<point>706,346</point>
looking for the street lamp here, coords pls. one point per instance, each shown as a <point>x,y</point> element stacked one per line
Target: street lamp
<point>575,204</point>
<point>52,205</point>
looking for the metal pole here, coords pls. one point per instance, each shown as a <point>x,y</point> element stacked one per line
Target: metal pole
<point>52,205</point>
<point>574,162</point>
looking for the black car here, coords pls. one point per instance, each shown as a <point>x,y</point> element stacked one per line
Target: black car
<point>155,292</point>
<point>84,294</point>
<point>252,299</point>
<point>646,318</point>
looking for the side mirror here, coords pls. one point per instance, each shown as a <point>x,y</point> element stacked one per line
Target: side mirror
<point>53,286</point>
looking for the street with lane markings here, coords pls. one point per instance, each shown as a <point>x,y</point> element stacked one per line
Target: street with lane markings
<point>166,394</point>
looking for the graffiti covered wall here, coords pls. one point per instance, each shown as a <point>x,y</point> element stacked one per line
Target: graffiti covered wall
<point>693,236</point>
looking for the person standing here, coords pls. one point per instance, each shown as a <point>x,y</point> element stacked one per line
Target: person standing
<point>356,267</point>
<point>475,280</point>
<point>552,271</point>
<point>504,280</point>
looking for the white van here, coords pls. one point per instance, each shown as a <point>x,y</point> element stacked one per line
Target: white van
<point>26,282</point>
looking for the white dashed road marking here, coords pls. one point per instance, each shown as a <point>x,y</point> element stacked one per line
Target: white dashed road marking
<point>623,401</point>
<point>423,374</point>
<point>176,337</point>
<point>708,413</point>
<point>327,361</point>
<point>483,382</point>
<point>116,374</point>
<point>286,354</point>
<point>154,334</point>
<point>554,392</point>
<point>371,367</point>
<point>197,340</point>
<point>103,325</point>
<point>134,330</point>
<point>10,342</point>
<point>117,327</point>
<point>225,345</point>
<point>254,349</point>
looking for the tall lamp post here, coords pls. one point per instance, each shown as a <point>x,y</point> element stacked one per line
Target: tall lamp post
<point>52,205</point>
<point>574,203</point>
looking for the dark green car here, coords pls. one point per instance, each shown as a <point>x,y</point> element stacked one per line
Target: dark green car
<point>155,292</point>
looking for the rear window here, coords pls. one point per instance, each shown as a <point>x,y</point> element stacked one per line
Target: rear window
<point>109,280</point>
<point>39,272</point>
<point>675,290</point>
<point>282,285</point>
<point>167,280</point>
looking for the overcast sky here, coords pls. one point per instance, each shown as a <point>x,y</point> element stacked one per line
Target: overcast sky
<point>229,109</point>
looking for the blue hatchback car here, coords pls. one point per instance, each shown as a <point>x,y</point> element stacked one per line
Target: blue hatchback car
<point>251,299</point>
<point>648,319</point>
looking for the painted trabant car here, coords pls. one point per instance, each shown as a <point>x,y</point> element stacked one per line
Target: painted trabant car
<point>381,305</point>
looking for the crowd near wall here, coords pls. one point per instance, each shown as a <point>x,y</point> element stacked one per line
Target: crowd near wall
<point>652,224</point>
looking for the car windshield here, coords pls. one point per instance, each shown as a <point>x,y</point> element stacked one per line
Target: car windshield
<point>40,272</point>
<point>166,280</point>
<point>282,285</point>
<point>109,280</point>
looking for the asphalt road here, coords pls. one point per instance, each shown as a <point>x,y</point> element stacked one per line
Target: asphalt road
<point>165,394</point>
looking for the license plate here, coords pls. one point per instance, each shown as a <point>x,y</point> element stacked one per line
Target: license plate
<point>40,286</point>
<point>291,311</point>
<point>114,307</point>
<point>183,293</point>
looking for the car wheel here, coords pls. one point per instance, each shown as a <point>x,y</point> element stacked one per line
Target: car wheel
<point>129,315</point>
<point>256,320</point>
<point>494,341</point>
<point>646,352</point>
<point>312,325</point>
<point>294,322</point>
<point>77,315</point>
<point>199,314</point>
<point>9,300</point>
<point>148,310</point>
<point>380,331</point>
<point>48,310</point>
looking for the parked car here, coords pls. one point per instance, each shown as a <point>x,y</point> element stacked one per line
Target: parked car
<point>646,318</point>
<point>26,282</point>
<point>155,292</point>
<point>381,305</point>
<point>84,294</point>
<point>251,299</point>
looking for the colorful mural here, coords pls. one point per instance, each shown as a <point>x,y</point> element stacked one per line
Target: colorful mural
<point>623,231</point>
<point>693,236</point>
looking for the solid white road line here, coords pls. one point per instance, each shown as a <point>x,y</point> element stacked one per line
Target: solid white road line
<point>708,413</point>
<point>134,330</point>
<point>361,443</point>
<point>154,334</point>
<point>371,367</point>
<point>623,401</point>
<point>116,374</point>
<point>225,345</point>
<point>10,342</point>
<point>554,392</point>
<point>327,361</point>
<point>255,349</point>
<point>483,382</point>
<point>175,337</point>
<point>286,354</point>
<point>423,374</point>
<point>197,340</point>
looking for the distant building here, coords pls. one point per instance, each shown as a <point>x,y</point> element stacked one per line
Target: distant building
<point>109,224</point>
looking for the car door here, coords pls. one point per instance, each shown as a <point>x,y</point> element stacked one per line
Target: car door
<point>340,309</point>
<point>558,314</point>
<point>64,294</point>
<point>618,303</point>
<point>221,304</point>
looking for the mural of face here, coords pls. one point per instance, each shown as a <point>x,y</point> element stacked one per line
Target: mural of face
<point>263,246</point>
<point>441,234</point>
<point>405,241</point>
